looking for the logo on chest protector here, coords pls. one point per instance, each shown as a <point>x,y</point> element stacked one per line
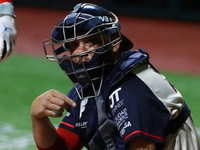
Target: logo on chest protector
<point>82,107</point>
<point>114,96</point>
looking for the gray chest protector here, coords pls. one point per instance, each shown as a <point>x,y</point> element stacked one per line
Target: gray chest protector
<point>106,129</point>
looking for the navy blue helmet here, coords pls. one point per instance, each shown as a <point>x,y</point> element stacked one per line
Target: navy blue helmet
<point>84,21</point>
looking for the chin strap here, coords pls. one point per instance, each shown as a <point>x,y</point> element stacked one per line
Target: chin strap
<point>104,136</point>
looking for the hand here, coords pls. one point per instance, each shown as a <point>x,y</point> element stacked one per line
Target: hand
<point>8,35</point>
<point>140,143</point>
<point>51,103</point>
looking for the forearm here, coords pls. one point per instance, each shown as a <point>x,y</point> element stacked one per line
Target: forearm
<point>44,132</point>
<point>49,104</point>
<point>140,143</point>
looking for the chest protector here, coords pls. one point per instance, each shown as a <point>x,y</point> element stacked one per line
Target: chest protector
<point>107,126</point>
<point>104,138</point>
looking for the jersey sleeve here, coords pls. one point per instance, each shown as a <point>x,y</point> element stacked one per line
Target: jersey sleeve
<point>2,1</point>
<point>71,139</point>
<point>142,104</point>
<point>58,145</point>
<point>66,140</point>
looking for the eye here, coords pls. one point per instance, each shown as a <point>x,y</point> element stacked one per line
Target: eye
<point>74,44</point>
<point>91,41</point>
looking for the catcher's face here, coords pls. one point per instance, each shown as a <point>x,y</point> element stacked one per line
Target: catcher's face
<point>86,47</point>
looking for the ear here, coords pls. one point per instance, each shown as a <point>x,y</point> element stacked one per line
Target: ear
<point>116,43</point>
<point>116,48</point>
<point>116,52</point>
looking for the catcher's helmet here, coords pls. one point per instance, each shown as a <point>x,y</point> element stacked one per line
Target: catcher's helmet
<point>89,20</point>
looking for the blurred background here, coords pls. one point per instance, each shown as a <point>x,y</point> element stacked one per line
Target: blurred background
<point>169,30</point>
<point>176,9</point>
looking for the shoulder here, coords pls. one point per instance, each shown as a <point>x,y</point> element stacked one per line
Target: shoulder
<point>156,82</point>
<point>144,82</point>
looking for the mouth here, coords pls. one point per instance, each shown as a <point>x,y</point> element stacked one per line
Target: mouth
<point>83,59</point>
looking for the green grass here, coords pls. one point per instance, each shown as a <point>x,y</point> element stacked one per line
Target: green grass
<point>188,86</point>
<point>23,78</point>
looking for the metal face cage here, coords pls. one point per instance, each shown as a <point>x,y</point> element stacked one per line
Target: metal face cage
<point>88,75</point>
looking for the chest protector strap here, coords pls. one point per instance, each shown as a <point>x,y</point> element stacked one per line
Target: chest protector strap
<point>125,64</point>
<point>106,129</point>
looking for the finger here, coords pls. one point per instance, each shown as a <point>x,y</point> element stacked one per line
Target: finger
<point>10,49</point>
<point>59,104</point>
<point>4,50</point>
<point>53,114</point>
<point>55,108</point>
<point>13,42</point>
<point>65,98</point>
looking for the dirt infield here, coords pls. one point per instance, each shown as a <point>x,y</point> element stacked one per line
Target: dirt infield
<point>172,45</point>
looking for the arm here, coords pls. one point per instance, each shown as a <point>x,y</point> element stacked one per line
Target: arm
<point>44,132</point>
<point>139,143</point>
<point>8,31</point>
<point>51,103</point>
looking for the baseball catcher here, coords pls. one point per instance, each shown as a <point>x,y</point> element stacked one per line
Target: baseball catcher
<point>119,100</point>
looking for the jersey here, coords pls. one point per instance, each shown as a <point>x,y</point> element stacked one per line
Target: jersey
<point>141,103</point>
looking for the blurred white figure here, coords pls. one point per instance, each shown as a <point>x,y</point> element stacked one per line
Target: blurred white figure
<point>8,31</point>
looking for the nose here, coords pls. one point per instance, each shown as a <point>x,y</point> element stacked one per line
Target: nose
<point>82,47</point>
